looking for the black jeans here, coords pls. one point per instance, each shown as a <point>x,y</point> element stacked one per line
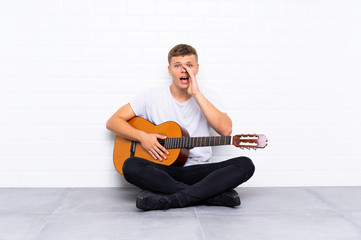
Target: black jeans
<point>193,184</point>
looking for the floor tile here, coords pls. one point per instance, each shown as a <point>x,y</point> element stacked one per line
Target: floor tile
<point>21,226</point>
<point>145,225</point>
<point>354,217</point>
<point>99,200</point>
<point>310,225</point>
<point>344,198</point>
<point>279,199</point>
<point>25,200</point>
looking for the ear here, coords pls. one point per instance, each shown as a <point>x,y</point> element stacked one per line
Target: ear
<point>170,74</point>
<point>197,69</point>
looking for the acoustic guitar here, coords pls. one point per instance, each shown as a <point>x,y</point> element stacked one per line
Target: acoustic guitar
<point>177,143</point>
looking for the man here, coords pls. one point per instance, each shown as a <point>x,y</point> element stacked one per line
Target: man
<point>198,182</point>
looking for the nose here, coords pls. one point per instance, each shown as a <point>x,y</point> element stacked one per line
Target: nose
<point>183,69</point>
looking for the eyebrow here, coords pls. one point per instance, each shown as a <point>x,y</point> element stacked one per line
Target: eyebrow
<point>181,63</point>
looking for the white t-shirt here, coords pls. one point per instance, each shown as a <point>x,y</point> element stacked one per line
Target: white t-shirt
<point>157,105</point>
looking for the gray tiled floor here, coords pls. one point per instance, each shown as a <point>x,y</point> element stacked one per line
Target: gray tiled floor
<point>110,213</point>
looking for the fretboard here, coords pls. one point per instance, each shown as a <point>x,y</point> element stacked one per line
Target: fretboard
<point>191,142</point>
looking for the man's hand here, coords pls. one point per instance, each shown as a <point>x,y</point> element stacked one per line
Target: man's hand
<point>218,120</point>
<point>153,147</point>
<point>193,85</point>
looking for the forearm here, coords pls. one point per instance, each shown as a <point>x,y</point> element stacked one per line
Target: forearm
<point>123,129</point>
<point>218,120</point>
<point>149,142</point>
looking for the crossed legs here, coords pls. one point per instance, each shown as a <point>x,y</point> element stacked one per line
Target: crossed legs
<point>191,185</point>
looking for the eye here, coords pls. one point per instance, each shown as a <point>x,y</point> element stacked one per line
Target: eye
<point>190,65</point>
<point>177,66</point>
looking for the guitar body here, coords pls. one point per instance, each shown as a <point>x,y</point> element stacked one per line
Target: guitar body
<point>123,148</point>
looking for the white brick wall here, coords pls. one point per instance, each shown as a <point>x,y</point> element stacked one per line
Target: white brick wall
<point>289,69</point>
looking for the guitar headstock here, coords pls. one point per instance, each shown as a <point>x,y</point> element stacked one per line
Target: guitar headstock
<point>250,141</point>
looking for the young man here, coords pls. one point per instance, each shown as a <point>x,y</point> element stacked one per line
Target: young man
<point>198,182</point>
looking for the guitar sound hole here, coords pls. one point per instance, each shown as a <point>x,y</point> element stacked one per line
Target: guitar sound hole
<point>161,141</point>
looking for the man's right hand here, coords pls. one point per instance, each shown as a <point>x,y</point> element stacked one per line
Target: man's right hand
<point>149,142</point>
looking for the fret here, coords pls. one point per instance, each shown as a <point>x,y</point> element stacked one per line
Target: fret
<point>191,142</point>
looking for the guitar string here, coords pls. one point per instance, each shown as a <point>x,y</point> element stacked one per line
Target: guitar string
<point>190,142</point>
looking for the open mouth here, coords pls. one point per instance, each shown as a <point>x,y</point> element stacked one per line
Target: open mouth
<point>184,80</point>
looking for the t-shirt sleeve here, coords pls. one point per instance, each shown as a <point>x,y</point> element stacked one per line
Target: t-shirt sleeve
<point>139,105</point>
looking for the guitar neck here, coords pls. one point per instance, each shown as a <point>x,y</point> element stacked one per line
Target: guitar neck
<point>191,142</point>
